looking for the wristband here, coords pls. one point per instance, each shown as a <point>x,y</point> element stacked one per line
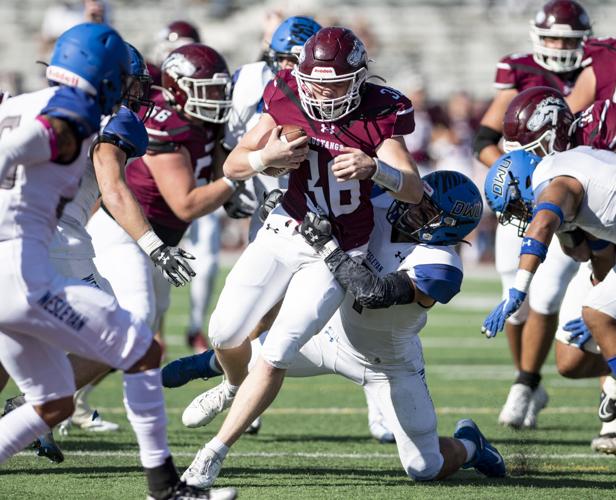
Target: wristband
<point>544,205</point>
<point>522,280</point>
<point>149,242</point>
<point>256,162</point>
<point>534,247</point>
<point>329,248</point>
<point>596,245</point>
<point>387,176</point>
<point>229,183</point>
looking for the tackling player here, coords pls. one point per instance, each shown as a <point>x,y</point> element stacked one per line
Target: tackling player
<point>373,340</point>
<point>44,314</point>
<point>558,32</point>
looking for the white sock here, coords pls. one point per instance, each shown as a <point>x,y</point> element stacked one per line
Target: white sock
<point>471,448</point>
<point>231,390</point>
<point>145,409</point>
<point>18,429</point>
<point>218,446</point>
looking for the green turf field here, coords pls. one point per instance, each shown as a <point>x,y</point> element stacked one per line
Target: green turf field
<point>315,444</point>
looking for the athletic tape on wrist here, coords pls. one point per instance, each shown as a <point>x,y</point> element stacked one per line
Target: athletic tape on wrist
<point>522,280</point>
<point>534,247</point>
<point>256,162</point>
<point>387,176</point>
<point>149,242</point>
<point>328,249</point>
<point>545,205</point>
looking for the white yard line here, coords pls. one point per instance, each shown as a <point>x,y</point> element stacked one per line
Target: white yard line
<point>445,410</point>
<point>316,455</point>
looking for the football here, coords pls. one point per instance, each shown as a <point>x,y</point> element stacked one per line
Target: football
<point>287,134</point>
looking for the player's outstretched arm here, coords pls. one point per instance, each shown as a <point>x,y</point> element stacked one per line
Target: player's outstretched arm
<point>558,202</point>
<point>248,158</point>
<point>370,291</point>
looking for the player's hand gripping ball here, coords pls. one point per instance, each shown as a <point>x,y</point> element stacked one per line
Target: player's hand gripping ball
<point>289,135</point>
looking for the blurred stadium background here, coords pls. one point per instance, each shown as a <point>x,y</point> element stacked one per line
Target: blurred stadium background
<point>441,53</point>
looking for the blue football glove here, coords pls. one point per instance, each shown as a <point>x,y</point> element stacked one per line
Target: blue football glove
<point>579,333</point>
<point>495,321</point>
<point>126,131</point>
<point>77,107</point>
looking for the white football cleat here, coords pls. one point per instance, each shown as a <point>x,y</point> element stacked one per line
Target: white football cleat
<point>254,427</point>
<point>537,403</point>
<point>95,423</point>
<point>202,410</point>
<point>605,442</point>
<point>204,469</point>
<point>516,407</point>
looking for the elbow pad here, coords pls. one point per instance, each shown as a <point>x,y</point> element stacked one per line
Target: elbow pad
<point>369,290</point>
<point>485,137</point>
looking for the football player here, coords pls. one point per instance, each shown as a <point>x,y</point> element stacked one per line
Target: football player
<point>349,122</point>
<point>567,191</point>
<point>539,120</point>
<point>372,339</point>
<point>557,33</point>
<point>173,182</point>
<point>42,159</point>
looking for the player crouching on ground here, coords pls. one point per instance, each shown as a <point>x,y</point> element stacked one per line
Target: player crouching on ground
<point>566,191</point>
<point>411,264</point>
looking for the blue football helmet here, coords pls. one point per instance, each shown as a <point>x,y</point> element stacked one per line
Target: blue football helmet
<point>138,84</point>
<point>508,188</point>
<point>450,209</point>
<point>288,39</point>
<point>94,58</point>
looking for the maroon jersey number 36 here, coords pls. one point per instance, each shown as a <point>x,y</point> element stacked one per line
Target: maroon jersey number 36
<point>382,114</point>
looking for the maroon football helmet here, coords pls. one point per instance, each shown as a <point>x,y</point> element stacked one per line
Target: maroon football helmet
<point>195,79</point>
<point>538,120</point>
<point>331,55</point>
<point>173,36</point>
<point>563,19</point>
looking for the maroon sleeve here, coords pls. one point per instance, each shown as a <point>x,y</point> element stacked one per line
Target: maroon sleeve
<point>166,129</point>
<point>505,74</point>
<point>405,119</point>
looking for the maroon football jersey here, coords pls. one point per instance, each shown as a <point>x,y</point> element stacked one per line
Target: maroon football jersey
<point>601,52</point>
<point>167,132</point>
<point>383,113</point>
<point>520,72</point>
<point>596,126</point>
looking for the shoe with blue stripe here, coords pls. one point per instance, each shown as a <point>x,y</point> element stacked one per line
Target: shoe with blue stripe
<point>487,459</point>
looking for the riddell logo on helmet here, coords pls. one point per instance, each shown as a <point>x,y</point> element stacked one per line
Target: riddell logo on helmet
<point>62,76</point>
<point>320,71</point>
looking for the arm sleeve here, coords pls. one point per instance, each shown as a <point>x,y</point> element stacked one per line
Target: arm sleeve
<point>369,290</point>
<point>439,281</point>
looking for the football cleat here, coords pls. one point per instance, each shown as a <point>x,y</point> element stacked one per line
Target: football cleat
<point>607,404</point>
<point>182,370</point>
<point>381,433</point>
<point>46,446</point>
<point>184,492</point>
<point>516,407</point>
<point>605,442</point>
<point>537,403</point>
<point>254,427</point>
<point>204,408</point>
<point>196,341</point>
<point>487,459</point>
<point>95,423</point>
<point>204,469</point>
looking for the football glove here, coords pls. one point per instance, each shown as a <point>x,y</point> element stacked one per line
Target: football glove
<point>579,333</point>
<point>271,200</point>
<point>172,263</point>
<point>316,230</point>
<point>243,202</point>
<point>495,321</point>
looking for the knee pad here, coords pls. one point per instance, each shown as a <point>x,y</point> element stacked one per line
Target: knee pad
<point>226,331</point>
<point>280,354</point>
<point>424,467</point>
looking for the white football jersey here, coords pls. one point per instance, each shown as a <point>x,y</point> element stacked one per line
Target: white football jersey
<point>595,169</point>
<point>250,82</point>
<point>390,335</point>
<point>33,197</point>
